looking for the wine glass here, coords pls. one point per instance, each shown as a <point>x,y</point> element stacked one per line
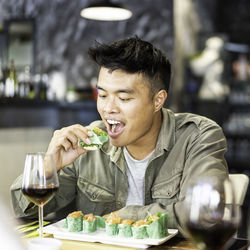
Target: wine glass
<point>40,181</point>
<point>248,228</point>
<point>210,217</point>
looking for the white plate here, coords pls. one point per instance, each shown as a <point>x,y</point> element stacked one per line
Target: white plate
<point>100,236</point>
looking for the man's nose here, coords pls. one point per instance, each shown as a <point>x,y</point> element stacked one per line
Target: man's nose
<point>110,106</point>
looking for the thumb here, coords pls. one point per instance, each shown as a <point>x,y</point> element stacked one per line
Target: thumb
<point>81,150</point>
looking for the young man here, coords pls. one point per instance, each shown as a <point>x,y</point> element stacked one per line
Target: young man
<point>152,154</point>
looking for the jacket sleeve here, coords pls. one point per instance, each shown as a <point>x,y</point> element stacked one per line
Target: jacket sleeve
<point>204,156</point>
<point>67,190</point>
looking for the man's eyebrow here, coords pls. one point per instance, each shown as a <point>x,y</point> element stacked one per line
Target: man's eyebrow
<point>128,91</point>
<point>100,88</point>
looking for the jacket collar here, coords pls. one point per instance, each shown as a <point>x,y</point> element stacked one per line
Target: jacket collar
<point>115,154</point>
<point>166,138</point>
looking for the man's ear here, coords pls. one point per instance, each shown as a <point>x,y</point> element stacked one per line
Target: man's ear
<point>159,99</point>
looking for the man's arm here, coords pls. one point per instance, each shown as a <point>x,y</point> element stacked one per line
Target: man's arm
<point>24,208</point>
<point>65,148</point>
<point>204,157</point>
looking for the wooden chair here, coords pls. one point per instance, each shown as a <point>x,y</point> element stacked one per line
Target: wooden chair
<point>240,184</point>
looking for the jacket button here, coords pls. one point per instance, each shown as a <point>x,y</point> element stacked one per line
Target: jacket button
<point>93,196</point>
<point>119,203</point>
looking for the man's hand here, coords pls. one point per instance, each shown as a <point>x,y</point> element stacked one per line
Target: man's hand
<point>64,144</point>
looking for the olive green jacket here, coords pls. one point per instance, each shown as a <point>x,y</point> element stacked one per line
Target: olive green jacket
<point>188,146</point>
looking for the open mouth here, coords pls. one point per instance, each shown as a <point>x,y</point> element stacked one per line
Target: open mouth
<point>115,127</point>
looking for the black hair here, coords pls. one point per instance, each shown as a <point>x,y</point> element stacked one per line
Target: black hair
<point>134,55</point>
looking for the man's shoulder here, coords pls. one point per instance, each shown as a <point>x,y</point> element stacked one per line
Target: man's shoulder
<point>191,119</point>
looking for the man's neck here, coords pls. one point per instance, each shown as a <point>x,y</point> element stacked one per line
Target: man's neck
<point>147,144</point>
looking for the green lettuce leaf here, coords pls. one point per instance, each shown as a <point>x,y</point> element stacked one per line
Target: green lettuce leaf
<point>96,140</point>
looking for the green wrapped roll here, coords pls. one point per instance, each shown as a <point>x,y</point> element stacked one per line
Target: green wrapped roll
<point>112,229</point>
<point>99,137</point>
<point>112,224</point>
<point>140,232</point>
<point>125,230</point>
<point>74,221</point>
<point>164,220</point>
<point>157,227</point>
<point>65,224</point>
<point>100,221</point>
<point>139,229</point>
<point>89,223</point>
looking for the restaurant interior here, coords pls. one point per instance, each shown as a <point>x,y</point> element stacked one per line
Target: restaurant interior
<point>47,80</point>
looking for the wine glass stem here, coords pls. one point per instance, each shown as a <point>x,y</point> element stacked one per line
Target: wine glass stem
<point>40,220</point>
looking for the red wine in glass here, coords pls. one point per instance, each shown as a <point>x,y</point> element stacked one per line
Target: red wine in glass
<point>211,215</point>
<point>39,195</point>
<point>40,181</point>
<point>214,237</point>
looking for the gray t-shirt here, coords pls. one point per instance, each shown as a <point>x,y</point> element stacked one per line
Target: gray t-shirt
<point>136,178</point>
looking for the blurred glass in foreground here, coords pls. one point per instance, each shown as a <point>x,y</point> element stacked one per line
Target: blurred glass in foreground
<point>211,216</point>
<point>9,239</point>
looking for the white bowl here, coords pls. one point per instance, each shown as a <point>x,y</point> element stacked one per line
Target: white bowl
<point>44,243</point>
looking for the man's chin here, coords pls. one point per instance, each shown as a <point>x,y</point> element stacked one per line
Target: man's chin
<point>117,143</point>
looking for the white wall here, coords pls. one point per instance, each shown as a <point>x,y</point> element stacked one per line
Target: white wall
<point>14,144</point>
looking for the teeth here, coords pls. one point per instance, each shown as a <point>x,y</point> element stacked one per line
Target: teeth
<point>113,122</point>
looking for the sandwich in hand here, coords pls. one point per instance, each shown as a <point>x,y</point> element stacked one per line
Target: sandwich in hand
<point>97,140</point>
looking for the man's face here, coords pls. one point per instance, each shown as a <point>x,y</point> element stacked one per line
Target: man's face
<point>125,106</point>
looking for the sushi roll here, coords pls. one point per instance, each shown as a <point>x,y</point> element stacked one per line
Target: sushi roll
<point>100,221</point>
<point>97,140</point>
<point>112,224</point>
<point>157,227</point>
<point>74,221</point>
<point>89,223</point>
<point>125,228</point>
<point>164,220</point>
<point>139,229</point>
<point>65,224</point>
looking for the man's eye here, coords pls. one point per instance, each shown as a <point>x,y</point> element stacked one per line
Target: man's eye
<point>125,99</point>
<point>102,96</point>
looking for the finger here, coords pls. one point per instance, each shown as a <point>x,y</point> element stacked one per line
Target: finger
<point>80,131</point>
<point>56,134</point>
<point>86,130</point>
<point>83,135</point>
<point>73,139</point>
<point>71,133</point>
<point>65,143</point>
<point>81,150</point>
<point>79,127</point>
